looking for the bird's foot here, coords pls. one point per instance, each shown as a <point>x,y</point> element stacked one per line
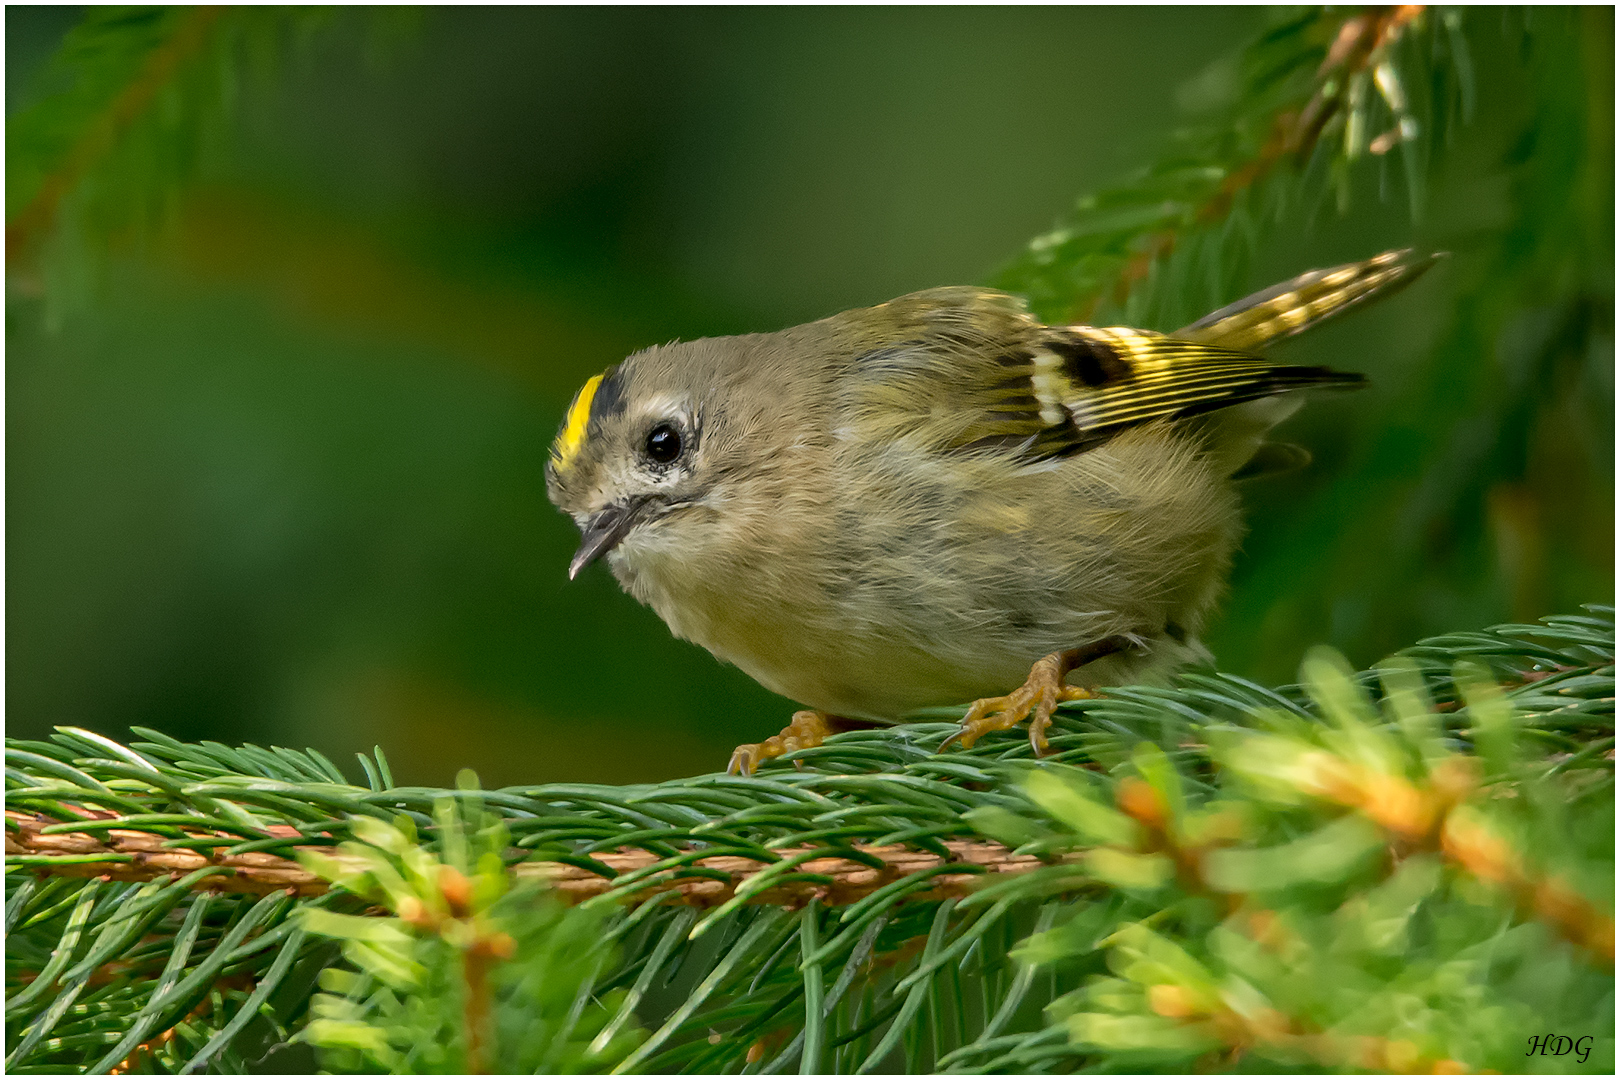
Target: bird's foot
<point>807,728</point>
<point>1036,699</point>
<point>1041,693</point>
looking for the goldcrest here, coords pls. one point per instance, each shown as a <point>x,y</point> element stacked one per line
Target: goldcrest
<point>940,499</point>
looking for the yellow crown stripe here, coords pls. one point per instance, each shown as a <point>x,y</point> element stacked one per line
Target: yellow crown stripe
<point>572,436</point>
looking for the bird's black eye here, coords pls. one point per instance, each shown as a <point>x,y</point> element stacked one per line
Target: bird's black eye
<point>664,444</point>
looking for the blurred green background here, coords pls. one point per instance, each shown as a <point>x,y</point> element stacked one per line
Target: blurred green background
<point>277,474</point>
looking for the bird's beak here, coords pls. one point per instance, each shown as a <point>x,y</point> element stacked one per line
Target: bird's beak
<point>602,533</point>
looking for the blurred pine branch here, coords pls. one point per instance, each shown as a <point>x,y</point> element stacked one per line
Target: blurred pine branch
<point>1321,94</point>
<point>112,68</point>
<point>129,110</point>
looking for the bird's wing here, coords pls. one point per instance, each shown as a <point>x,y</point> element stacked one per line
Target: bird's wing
<point>966,371</point>
<point>1288,308</point>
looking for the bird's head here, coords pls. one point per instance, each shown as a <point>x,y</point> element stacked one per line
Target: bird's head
<point>651,449</point>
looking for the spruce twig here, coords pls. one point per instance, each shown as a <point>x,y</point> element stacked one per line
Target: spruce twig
<point>875,899</point>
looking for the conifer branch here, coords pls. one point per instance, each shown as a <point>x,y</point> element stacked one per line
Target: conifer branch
<point>1313,89</point>
<point>185,40</point>
<point>750,848</point>
<point>131,855</point>
<point>1360,44</point>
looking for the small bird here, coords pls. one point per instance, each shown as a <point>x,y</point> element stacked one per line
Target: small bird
<point>939,499</point>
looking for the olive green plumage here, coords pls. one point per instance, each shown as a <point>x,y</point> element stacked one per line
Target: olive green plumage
<point>907,505</point>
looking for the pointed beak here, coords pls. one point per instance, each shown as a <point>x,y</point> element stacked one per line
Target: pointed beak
<point>602,533</point>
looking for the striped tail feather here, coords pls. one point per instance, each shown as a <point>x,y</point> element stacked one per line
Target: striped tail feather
<point>1293,306</point>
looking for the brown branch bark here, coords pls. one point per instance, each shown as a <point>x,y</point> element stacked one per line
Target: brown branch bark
<point>852,881</point>
<point>140,856</point>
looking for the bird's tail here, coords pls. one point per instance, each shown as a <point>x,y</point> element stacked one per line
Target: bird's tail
<point>1286,309</point>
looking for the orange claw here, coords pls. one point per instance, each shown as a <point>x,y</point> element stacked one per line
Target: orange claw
<point>1037,698</point>
<point>808,728</point>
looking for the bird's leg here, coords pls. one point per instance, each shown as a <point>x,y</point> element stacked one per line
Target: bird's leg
<point>1037,698</point>
<point>808,728</point>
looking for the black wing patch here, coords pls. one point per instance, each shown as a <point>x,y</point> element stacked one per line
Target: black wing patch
<point>1079,387</point>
